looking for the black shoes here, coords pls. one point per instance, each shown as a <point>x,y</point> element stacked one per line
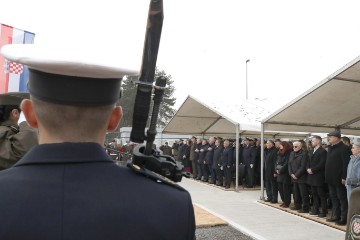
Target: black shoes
<point>303,210</point>
<point>333,219</point>
<point>322,215</point>
<point>341,222</point>
<point>268,200</point>
<point>314,213</point>
<point>295,208</point>
<point>274,201</point>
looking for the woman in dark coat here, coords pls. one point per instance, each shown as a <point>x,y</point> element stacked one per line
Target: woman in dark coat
<point>282,173</point>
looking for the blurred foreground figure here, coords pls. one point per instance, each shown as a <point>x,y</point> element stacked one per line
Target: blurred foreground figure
<point>68,187</point>
<point>15,139</point>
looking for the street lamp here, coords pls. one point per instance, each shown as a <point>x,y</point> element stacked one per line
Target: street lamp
<point>247,79</point>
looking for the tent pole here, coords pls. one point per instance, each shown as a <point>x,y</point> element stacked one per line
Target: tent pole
<point>262,161</point>
<point>237,158</point>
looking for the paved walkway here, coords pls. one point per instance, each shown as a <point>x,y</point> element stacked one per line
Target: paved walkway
<point>242,211</point>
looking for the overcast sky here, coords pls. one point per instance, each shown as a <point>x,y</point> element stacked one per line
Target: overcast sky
<point>292,45</point>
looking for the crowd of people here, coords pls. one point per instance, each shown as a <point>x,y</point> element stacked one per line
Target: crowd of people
<point>213,160</point>
<point>316,175</point>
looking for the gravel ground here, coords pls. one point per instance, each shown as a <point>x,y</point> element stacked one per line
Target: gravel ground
<point>220,233</point>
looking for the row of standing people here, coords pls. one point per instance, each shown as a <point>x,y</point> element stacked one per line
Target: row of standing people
<point>214,160</point>
<point>317,171</point>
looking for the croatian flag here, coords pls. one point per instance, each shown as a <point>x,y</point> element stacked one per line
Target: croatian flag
<point>13,76</point>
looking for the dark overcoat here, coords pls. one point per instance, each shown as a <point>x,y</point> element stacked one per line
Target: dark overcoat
<point>316,163</point>
<point>216,158</point>
<point>269,163</point>
<point>297,166</point>
<point>336,164</point>
<point>282,162</point>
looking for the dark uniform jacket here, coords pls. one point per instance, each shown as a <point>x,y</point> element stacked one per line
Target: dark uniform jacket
<point>15,141</point>
<point>216,158</point>
<point>269,163</point>
<point>210,154</point>
<point>338,158</point>
<point>180,152</point>
<point>186,152</point>
<point>226,157</point>
<point>75,191</point>
<point>297,166</point>
<point>203,153</point>
<point>282,162</point>
<point>316,163</point>
<point>248,155</point>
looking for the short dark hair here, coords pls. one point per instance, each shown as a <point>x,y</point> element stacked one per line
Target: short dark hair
<point>6,110</point>
<point>317,137</point>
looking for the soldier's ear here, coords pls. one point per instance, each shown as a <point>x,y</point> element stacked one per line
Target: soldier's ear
<point>28,109</point>
<point>115,118</point>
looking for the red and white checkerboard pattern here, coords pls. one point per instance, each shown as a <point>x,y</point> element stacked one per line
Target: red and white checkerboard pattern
<point>356,227</point>
<point>15,68</point>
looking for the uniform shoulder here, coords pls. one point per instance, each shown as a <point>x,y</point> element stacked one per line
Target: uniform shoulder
<point>143,172</point>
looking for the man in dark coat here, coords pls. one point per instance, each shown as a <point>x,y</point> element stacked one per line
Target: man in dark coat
<point>257,168</point>
<point>249,158</point>
<point>208,160</point>
<point>226,162</point>
<point>297,171</point>
<point>216,161</point>
<point>193,157</point>
<point>270,156</point>
<point>200,173</point>
<point>338,158</point>
<point>68,187</point>
<point>202,153</point>
<point>316,177</point>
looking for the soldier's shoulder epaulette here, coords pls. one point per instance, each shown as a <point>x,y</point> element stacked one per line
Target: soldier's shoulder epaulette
<point>153,176</point>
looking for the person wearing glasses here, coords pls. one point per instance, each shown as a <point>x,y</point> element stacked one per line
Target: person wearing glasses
<point>298,174</point>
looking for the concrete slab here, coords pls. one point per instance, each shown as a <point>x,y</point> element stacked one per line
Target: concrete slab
<point>205,219</point>
<point>242,211</point>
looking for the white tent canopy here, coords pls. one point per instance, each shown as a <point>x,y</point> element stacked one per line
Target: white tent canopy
<point>221,119</point>
<point>329,105</point>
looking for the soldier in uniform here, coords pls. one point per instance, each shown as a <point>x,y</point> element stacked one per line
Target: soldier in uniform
<point>353,221</point>
<point>67,187</point>
<point>15,140</point>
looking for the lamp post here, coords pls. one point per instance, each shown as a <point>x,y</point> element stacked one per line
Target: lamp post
<point>247,79</point>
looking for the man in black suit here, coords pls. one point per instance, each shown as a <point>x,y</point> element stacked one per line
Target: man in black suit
<point>68,187</point>
<point>249,158</point>
<point>338,158</point>
<point>226,162</point>
<point>316,177</point>
<point>270,155</point>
